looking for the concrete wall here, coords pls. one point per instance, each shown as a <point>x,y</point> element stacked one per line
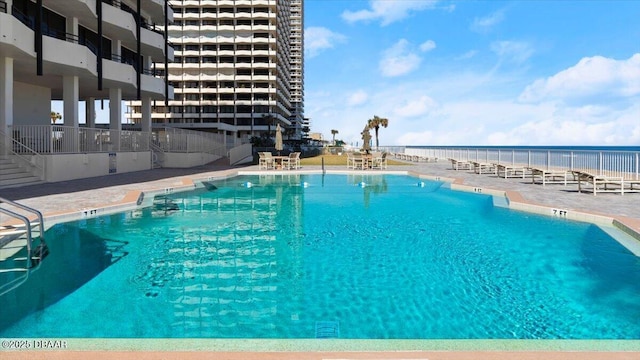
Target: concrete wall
<point>64,167</point>
<point>32,104</point>
<point>181,160</point>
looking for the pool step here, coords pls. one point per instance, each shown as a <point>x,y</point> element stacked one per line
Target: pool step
<point>327,329</point>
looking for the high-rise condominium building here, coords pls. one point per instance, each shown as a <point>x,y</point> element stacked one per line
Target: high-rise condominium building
<point>238,68</point>
<point>79,52</point>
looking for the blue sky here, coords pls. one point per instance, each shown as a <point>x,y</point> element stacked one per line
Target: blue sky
<point>475,72</point>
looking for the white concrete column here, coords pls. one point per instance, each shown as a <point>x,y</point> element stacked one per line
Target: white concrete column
<point>71,98</point>
<point>90,106</point>
<point>71,116</point>
<point>6,94</point>
<point>72,26</point>
<point>115,109</point>
<point>145,121</point>
<point>115,117</point>
<point>116,47</point>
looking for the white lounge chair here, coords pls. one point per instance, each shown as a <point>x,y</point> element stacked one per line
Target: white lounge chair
<point>484,168</point>
<point>460,164</point>
<point>510,171</point>
<point>600,183</point>
<point>549,176</point>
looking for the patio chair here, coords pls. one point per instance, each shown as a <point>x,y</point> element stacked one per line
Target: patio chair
<point>357,161</point>
<point>294,161</point>
<point>265,160</point>
<point>378,160</point>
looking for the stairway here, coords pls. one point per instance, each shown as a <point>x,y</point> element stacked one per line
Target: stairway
<point>12,174</point>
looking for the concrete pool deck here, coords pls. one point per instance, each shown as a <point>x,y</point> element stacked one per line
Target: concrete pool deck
<point>65,200</point>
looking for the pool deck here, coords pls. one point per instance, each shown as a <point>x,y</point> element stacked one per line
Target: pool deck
<point>68,199</point>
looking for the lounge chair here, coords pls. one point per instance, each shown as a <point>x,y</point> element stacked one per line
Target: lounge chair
<point>600,183</point>
<point>460,164</point>
<point>484,168</point>
<point>550,176</point>
<point>631,185</point>
<point>510,171</point>
<point>265,160</point>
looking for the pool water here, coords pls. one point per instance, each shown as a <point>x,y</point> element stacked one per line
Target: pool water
<point>348,256</point>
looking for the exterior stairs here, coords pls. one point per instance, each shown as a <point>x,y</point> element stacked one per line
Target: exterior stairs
<point>12,174</point>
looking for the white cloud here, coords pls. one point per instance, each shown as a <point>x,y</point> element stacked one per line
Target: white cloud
<point>399,60</point>
<point>427,46</point>
<point>388,11</point>
<point>512,51</point>
<point>484,24</point>
<point>318,39</point>
<point>473,108</point>
<point>590,79</point>
<point>468,55</point>
<point>357,98</point>
<point>416,107</point>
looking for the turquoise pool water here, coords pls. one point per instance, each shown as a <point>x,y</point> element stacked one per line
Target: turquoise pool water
<point>375,257</point>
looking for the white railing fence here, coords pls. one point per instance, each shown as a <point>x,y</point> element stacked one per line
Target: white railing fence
<point>598,162</point>
<point>189,141</point>
<point>23,155</point>
<point>56,139</point>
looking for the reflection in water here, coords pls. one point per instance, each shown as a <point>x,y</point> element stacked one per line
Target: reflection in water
<point>76,256</point>
<point>371,184</point>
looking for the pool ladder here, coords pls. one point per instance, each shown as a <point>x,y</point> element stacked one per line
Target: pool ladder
<point>19,253</point>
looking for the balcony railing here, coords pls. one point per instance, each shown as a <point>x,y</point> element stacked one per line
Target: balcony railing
<point>55,139</point>
<point>610,163</point>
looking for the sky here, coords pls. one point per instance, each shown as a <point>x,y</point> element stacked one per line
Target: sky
<point>535,72</point>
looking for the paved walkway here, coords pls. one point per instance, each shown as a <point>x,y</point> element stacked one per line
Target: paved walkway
<point>105,190</point>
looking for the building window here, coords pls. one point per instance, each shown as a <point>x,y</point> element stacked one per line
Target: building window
<point>226,109</point>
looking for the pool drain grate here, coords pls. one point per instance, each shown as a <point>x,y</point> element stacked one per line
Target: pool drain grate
<point>327,329</point>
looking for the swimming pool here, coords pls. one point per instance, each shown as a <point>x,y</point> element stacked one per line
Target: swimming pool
<point>375,257</point>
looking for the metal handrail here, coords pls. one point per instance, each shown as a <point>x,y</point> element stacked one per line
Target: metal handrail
<point>29,226</point>
<point>37,160</point>
<point>28,209</point>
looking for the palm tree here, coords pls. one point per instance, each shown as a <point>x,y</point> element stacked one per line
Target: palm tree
<point>55,116</point>
<point>334,132</point>
<point>375,123</point>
